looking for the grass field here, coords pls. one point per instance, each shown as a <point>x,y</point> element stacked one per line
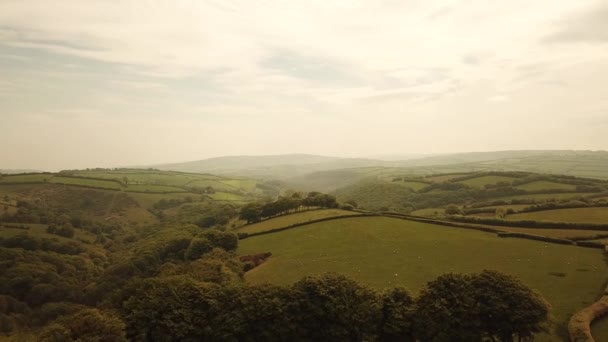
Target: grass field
<point>556,233</point>
<point>86,182</point>
<point>442,178</point>
<point>413,185</point>
<point>568,195</point>
<point>287,220</point>
<point>152,188</point>
<point>385,252</point>
<point>576,215</point>
<point>545,185</point>
<point>244,184</point>
<point>25,178</point>
<point>429,212</point>
<point>226,196</point>
<point>480,182</point>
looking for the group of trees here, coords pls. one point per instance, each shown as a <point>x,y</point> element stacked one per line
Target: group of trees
<point>488,306</point>
<point>254,212</point>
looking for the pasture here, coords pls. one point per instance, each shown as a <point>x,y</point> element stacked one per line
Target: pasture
<point>95,183</point>
<point>385,252</point>
<point>286,220</point>
<point>413,185</point>
<point>574,215</point>
<point>35,178</point>
<point>546,185</point>
<point>480,182</point>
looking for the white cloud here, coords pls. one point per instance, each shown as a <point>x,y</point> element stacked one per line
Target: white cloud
<point>218,64</point>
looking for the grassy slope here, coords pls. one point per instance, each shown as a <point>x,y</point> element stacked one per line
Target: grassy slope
<point>577,215</point>
<point>413,185</point>
<point>480,182</point>
<point>287,220</point>
<point>545,185</point>
<point>385,252</point>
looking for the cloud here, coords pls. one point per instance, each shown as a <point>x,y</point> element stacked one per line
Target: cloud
<point>240,68</point>
<point>590,26</point>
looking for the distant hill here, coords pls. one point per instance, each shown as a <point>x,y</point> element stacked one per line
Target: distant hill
<point>275,166</point>
<point>323,173</point>
<point>15,171</point>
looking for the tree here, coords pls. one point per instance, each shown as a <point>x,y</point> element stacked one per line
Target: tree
<point>479,307</point>
<point>198,247</point>
<point>333,307</point>
<point>397,316</point>
<point>452,209</point>
<point>89,325</point>
<point>445,311</point>
<point>507,308</point>
<point>250,212</point>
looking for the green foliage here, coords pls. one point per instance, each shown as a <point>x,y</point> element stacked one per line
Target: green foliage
<point>488,305</point>
<point>397,315</point>
<point>197,248</point>
<point>90,325</point>
<point>335,308</point>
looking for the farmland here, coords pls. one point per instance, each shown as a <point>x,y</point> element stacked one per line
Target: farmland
<point>286,220</point>
<point>575,215</point>
<point>545,185</point>
<point>480,182</point>
<point>385,252</point>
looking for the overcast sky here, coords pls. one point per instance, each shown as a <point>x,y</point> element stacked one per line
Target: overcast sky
<point>110,83</point>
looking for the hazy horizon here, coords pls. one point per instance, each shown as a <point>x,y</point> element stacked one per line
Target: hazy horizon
<point>122,83</point>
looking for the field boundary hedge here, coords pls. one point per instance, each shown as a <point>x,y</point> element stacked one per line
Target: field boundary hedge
<point>531,223</point>
<point>579,327</point>
<point>244,235</point>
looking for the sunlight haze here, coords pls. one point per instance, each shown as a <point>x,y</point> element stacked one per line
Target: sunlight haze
<point>117,83</point>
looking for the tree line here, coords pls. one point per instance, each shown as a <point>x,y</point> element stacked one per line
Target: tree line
<point>255,212</point>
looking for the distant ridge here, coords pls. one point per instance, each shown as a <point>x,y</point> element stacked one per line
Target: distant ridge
<point>286,166</point>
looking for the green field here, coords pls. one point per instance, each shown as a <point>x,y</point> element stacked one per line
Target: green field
<point>480,182</point>
<point>429,212</point>
<point>86,182</point>
<point>244,184</point>
<point>37,178</point>
<point>556,233</point>
<point>226,196</point>
<point>557,196</point>
<point>575,215</point>
<point>286,220</point>
<point>546,185</point>
<point>385,252</point>
<point>413,185</point>
<point>443,178</point>
<point>152,188</point>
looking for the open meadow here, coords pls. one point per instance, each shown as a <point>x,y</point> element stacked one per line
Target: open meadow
<point>386,252</point>
<point>286,220</point>
<point>574,215</point>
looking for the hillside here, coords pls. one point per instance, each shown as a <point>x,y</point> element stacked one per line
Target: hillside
<point>277,166</point>
<point>321,173</point>
<point>389,252</point>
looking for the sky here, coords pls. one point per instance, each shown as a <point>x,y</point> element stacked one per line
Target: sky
<point>119,82</point>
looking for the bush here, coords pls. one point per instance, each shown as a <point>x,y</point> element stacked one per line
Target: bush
<point>197,248</point>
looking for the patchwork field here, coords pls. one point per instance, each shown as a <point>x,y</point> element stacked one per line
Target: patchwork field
<point>555,233</point>
<point>413,185</point>
<point>480,182</point>
<point>385,252</point>
<point>286,220</point>
<point>86,182</point>
<point>557,196</point>
<point>575,215</point>
<point>545,185</point>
